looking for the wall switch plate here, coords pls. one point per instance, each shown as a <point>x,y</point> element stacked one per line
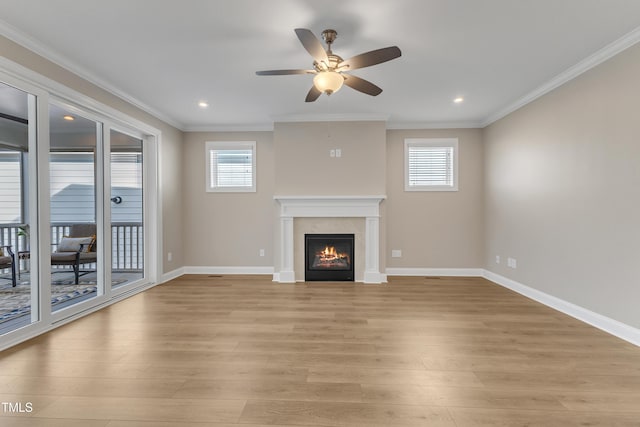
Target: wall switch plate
<point>511,262</point>
<point>396,253</point>
<point>338,152</point>
<point>332,153</point>
<point>497,259</point>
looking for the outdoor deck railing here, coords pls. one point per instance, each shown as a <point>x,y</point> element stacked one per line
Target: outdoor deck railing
<point>127,242</point>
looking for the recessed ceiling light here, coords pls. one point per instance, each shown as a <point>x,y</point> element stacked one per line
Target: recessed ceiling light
<point>458,100</point>
<point>69,117</point>
<point>203,104</point>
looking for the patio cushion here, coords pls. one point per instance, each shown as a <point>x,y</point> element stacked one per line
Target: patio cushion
<point>5,259</point>
<point>73,244</point>
<point>58,257</point>
<point>88,257</point>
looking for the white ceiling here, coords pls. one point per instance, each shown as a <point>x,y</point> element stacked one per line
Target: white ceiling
<point>167,55</point>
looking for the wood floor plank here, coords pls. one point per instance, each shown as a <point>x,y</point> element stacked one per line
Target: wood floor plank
<point>394,376</point>
<point>603,401</point>
<point>96,387</point>
<point>186,424</point>
<point>472,417</point>
<point>226,351</point>
<point>380,361</point>
<point>276,389</point>
<point>110,408</point>
<point>466,397</point>
<point>341,414</point>
<point>17,421</point>
<point>557,381</point>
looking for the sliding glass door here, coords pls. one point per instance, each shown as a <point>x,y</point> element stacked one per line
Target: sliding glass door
<point>19,279</point>
<point>78,196</point>
<point>74,170</point>
<point>127,209</point>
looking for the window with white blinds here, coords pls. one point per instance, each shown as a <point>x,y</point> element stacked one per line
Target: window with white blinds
<point>231,166</point>
<point>431,164</point>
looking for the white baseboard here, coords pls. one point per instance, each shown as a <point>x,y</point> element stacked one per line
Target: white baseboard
<point>172,275</point>
<point>454,272</point>
<point>606,324</point>
<point>228,270</point>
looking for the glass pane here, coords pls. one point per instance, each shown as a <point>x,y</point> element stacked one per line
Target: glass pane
<point>127,231</point>
<point>18,292</point>
<point>75,250</point>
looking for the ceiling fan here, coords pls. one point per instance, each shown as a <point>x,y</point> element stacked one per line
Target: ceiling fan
<point>331,70</point>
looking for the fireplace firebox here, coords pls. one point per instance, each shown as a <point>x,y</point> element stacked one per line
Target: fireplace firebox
<point>329,257</point>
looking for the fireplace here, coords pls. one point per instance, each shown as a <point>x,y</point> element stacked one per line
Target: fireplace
<point>295,208</point>
<point>329,257</point>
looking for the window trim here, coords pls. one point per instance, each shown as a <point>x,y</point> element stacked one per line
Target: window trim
<point>230,145</point>
<point>431,142</point>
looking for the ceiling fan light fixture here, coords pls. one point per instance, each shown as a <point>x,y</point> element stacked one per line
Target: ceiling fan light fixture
<point>328,81</point>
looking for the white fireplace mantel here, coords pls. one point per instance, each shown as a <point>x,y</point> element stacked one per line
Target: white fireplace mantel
<point>367,207</point>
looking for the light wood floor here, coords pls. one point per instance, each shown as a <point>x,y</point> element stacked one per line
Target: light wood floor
<point>222,351</point>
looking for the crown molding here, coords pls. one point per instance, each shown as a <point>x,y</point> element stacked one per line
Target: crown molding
<point>571,73</point>
<point>239,127</point>
<point>355,117</point>
<point>47,53</point>
<point>434,125</point>
<point>65,94</point>
<point>268,127</point>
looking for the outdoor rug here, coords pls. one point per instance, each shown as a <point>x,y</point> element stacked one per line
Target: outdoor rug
<point>15,302</point>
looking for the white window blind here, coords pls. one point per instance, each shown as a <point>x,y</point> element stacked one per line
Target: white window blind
<point>10,187</point>
<point>72,186</point>
<point>231,166</point>
<point>431,164</point>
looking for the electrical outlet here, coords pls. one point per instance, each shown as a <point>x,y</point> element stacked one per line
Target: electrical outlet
<point>261,252</point>
<point>338,152</point>
<point>396,253</point>
<point>169,256</point>
<point>497,259</point>
<point>511,262</point>
<point>332,153</point>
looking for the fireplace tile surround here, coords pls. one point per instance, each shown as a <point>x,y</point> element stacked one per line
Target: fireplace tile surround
<point>364,207</point>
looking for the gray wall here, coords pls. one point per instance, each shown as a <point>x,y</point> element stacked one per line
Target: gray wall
<point>436,229</point>
<point>227,229</point>
<point>433,229</point>
<point>562,179</point>
<point>305,168</point>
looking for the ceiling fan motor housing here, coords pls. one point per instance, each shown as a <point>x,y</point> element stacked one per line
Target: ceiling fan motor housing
<point>329,36</point>
<point>334,60</point>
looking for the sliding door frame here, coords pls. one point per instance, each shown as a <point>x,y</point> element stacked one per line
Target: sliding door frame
<point>47,90</point>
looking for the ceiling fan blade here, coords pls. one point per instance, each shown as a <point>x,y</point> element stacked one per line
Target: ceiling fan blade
<point>283,72</point>
<point>312,44</point>
<point>361,85</point>
<point>313,94</point>
<point>370,58</point>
